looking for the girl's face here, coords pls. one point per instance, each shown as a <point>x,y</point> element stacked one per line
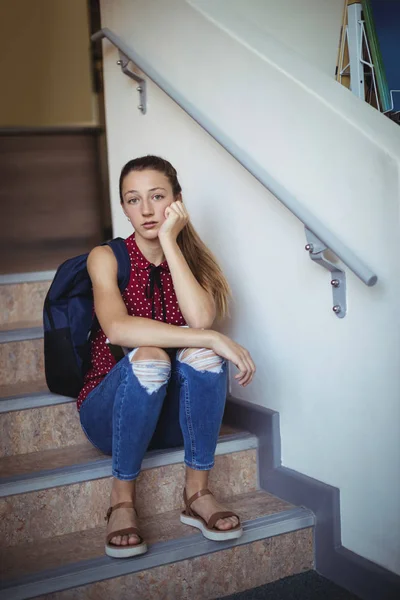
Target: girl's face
<point>146,195</point>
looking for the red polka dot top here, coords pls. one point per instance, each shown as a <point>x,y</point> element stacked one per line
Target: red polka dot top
<point>150,293</point>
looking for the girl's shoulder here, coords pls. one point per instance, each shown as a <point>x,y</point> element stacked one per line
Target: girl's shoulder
<point>102,261</point>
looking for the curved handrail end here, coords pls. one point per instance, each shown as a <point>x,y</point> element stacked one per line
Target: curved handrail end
<point>98,35</point>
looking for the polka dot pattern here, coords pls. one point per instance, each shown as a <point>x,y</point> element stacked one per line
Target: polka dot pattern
<point>138,305</point>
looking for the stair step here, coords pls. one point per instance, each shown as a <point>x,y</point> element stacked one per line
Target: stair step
<point>22,297</point>
<point>53,422</point>
<point>277,541</point>
<point>40,397</point>
<point>28,277</point>
<point>21,361</point>
<point>75,482</point>
<point>32,468</point>
<point>21,331</point>
<point>21,389</point>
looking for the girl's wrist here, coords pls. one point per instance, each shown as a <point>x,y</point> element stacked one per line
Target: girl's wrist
<point>167,241</point>
<point>209,336</point>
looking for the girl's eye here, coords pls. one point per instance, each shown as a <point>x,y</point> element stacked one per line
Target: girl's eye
<point>158,196</point>
<point>133,201</point>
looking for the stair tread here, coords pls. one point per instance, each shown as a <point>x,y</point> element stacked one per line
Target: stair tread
<point>23,388</point>
<point>20,325</point>
<point>50,553</point>
<point>44,460</point>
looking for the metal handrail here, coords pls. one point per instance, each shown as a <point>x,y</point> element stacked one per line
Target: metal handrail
<point>311,222</point>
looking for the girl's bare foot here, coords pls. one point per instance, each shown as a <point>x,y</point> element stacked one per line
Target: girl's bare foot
<point>123,491</point>
<point>122,519</point>
<point>205,506</point>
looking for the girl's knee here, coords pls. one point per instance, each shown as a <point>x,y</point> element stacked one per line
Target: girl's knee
<point>148,353</point>
<point>201,359</point>
<point>152,367</point>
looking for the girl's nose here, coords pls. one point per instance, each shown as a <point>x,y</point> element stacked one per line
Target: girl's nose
<point>147,208</point>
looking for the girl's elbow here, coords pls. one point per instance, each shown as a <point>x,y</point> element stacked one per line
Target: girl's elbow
<point>112,333</point>
<point>204,321</point>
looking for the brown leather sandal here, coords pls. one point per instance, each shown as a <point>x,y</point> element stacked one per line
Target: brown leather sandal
<point>190,517</point>
<point>124,551</point>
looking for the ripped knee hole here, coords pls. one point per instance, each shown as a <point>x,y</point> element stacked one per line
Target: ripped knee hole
<point>151,373</point>
<point>201,359</point>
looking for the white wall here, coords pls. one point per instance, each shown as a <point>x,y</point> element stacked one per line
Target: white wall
<point>335,382</point>
<point>309,27</point>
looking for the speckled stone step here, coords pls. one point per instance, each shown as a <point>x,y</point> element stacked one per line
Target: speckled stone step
<point>41,428</point>
<point>75,482</point>
<point>277,541</point>
<point>23,300</point>
<point>21,362</point>
<point>21,389</point>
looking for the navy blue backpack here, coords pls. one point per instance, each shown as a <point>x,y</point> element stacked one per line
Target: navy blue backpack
<point>68,320</point>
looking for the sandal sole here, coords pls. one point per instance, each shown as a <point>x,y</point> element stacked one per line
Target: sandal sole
<point>125,551</point>
<point>215,536</point>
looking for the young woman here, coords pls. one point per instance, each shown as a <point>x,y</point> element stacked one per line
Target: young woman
<point>175,373</point>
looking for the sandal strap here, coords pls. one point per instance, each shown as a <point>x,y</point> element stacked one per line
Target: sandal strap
<point>221,515</point>
<point>127,531</point>
<point>119,505</point>
<point>204,492</point>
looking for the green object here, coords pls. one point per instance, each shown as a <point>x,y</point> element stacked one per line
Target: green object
<point>381,82</point>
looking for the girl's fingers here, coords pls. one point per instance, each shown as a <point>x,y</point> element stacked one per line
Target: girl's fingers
<point>175,206</point>
<point>243,371</point>
<point>246,367</point>
<point>241,366</point>
<point>251,370</point>
<point>180,210</point>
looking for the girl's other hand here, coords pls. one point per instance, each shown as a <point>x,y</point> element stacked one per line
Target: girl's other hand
<point>176,218</point>
<point>239,356</point>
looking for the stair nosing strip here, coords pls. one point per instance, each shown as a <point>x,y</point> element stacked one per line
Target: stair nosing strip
<point>31,401</point>
<point>161,553</point>
<point>98,469</point>
<point>20,335</point>
<point>33,277</point>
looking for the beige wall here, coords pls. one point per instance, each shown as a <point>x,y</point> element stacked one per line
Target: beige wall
<point>45,63</point>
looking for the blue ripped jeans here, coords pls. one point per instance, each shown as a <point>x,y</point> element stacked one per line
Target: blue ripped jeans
<point>124,418</point>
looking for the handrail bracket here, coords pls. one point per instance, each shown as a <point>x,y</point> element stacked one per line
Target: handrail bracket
<point>141,88</point>
<point>316,250</point>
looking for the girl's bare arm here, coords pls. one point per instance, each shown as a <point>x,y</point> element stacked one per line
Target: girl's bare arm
<point>196,304</point>
<point>123,329</point>
<point>132,332</point>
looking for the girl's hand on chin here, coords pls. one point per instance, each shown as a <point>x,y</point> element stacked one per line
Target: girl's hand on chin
<point>176,218</point>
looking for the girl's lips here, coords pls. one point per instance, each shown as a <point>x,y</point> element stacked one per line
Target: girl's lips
<point>149,225</point>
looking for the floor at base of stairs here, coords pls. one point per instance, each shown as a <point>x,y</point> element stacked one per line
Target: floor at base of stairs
<point>306,586</point>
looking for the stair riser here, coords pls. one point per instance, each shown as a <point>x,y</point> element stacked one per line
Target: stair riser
<point>81,506</point>
<point>22,301</point>
<point>21,362</point>
<point>43,428</point>
<point>207,577</point>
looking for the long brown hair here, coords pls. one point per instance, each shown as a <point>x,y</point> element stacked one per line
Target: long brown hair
<point>199,258</point>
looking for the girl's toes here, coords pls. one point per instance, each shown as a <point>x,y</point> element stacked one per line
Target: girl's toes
<point>224,524</point>
<point>133,539</point>
<point>116,540</point>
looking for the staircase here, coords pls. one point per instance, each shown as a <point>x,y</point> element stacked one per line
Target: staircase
<point>54,491</point>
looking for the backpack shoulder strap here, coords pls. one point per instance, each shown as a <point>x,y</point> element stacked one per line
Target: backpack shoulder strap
<point>120,250</point>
